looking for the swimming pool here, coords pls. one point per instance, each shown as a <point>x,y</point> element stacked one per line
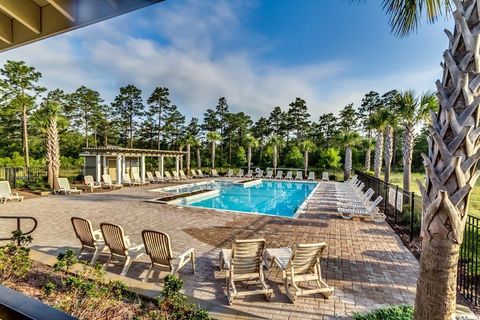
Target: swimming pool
<point>278,198</point>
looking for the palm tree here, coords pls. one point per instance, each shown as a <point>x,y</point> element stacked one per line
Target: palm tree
<point>307,146</point>
<point>251,143</point>
<point>213,137</point>
<point>411,110</point>
<point>378,121</point>
<point>347,140</point>
<point>276,142</point>
<point>189,141</point>
<point>388,155</point>
<point>367,145</point>
<point>452,158</point>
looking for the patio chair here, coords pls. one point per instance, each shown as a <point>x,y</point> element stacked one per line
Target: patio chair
<point>194,174</point>
<point>136,178</point>
<point>158,248</point>
<point>7,194</point>
<point>200,174</point>
<point>229,173</point>
<point>107,181</point>
<point>182,175</point>
<point>168,176</point>
<point>215,173</point>
<point>244,262</point>
<point>249,174</point>
<point>371,211</point>
<point>325,176</point>
<point>151,178</point>
<point>130,182</point>
<point>269,174</point>
<point>279,174</point>
<point>89,182</point>
<point>361,202</point>
<point>259,174</point>
<point>240,173</point>
<point>89,239</point>
<point>120,246</point>
<point>311,176</point>
<point>288,175</point>
<point>302,263</point>
<point>298,175</point>
<point>64,186</point>
<point>159,178</point>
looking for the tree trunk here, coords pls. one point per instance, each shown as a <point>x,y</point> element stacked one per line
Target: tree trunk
<point>199,159</point>
<point>368,155</point>
<point>26,151</point>
<point>394,148</point>
<point>388,152</point>
<point>213,154</point>
<point>305,162</point>
<point>181,157</point>
<point>450,168</point>
<point>159,137</point>
<point>275,159</point>
<point>377,161</point>
<point>249,157</point>
<point>86,131</point>
<point>230,151</point>
<point>407,157</point>
<point>347,169</point>
<point>188,159</point>
<point>53,153</point>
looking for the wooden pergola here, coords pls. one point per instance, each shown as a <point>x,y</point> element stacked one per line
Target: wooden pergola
<point>120,155</point>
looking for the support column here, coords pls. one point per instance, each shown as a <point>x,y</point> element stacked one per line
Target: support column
<point>142,168</point>
<point>160,166</point>
<point>98,168</point>
<point>177,163</point>
<point>119,169</point>
<point>124,165</point>
<point>105,169</point>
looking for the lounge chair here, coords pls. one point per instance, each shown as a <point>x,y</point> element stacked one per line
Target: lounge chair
<point>259,174</point>
<point>159,178</point>
<point>249,174</point>
<point>168,176</point>
<point>244,262</point>
<point>130,182</point>
<point>311,176</point>
<point>360,202</point>
<point>298,175</point>
<point>240,173</point>
<point>7,194</point>
<point>182,175</point>
<point>302,263</point>
<point>89,239</point>
<point>64,186</point>
<point>269,174</point>
<point>215,173</point>
<point>193,173</point>
<point>371,211</point>
<point>89,182</point>
<point>120,246</point>
<point>136,178</point>
<point>279,174</point>
<point>151,178</point>
<point>325,176</point>
<point>107,181</point>
<point>200,174</point>
<point>158,248</point>
<point>289,175</point>
<point>176,176</point>
<point>229,173</point>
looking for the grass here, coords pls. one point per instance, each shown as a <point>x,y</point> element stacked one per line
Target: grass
<point>388,313</point>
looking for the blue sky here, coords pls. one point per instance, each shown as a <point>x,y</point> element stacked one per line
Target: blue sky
<point>258,54</point>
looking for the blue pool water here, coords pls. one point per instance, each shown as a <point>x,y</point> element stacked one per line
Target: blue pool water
<point>279,198</point>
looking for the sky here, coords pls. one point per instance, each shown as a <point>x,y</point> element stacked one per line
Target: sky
<point>257,54</point>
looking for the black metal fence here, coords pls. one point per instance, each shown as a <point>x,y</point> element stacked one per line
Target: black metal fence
<point>405,219</point>
<point>20,177</point>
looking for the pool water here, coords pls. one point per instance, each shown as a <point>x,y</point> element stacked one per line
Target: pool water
<point>279,198</point>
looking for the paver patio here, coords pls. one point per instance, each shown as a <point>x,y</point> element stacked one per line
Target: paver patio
<point>365,262</point>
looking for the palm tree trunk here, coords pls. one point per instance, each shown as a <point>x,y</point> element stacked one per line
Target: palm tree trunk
<point>368,155</point>
<point>249,157</point>
<point>450,168</point>
<point>275,159</point>
<point>199,159</point>
<point>53,153</point>
<point>305,161</point>
<point>181,157</point>
<point>347,169</point>
<point>188,159</point>
<point>377,161</point>
<point>388,152</point>
<point>26,149</point>
<point>213,154</point>
<point>407,157</point>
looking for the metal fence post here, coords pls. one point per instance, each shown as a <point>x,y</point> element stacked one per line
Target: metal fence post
<point>385,198</point>
<point>395,206</point>
<point>412,214</point>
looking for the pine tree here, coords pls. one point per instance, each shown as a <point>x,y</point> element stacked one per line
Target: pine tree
<point>128,108</point>
<point>158,102</point>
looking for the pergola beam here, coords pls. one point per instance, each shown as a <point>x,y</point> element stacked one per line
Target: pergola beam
<point>66,7</point>
<point>25,11</point>
<point>6,31</point>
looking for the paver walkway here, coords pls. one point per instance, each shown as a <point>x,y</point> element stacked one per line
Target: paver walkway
<point>366,263</point>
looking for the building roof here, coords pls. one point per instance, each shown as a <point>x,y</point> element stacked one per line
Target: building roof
<point>131,152</point>
<point>26,21</point>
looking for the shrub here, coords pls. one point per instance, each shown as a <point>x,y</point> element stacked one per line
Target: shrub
<point>389,313</point>
<point>329,158</point>
<point>294,158</point>
<point>14,258</point>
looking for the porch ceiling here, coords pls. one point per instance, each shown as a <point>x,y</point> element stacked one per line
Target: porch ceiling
<point>132,152</point>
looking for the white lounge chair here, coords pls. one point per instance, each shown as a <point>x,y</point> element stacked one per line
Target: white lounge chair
<point>7,194</point>
<point>244,262</point>
<point>249,174</point>
<point>151,178</point>
<point>311,176</point>
<point>200,174</point>
<point>107,181</point>
<point>168,176</point>
<point>215,173</point>
<point>136,178</point>
<point>269,174</point>
<point>182,175</point>
<point>158,248</point>
<point>302,263</point>
<point>64,186</point>
<point>194,174</point>
<point>89,239</point>
<point>371,211</point>
<point>89,182</point>
<point>130,182</point>
<point>240,173</point>
<point>159,178</point>
<point>360,202</point>
<point>279,174</point>
<point>229,173</point>
<point>259,174</point>
<point>298,175</point>
<point>325,176</point>
<point>175,175</point>
<point>120,246</point>
<point>289,175</point>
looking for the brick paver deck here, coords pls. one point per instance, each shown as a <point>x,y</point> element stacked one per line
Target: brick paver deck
<point>365,262</point>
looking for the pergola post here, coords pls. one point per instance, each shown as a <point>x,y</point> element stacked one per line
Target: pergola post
<point>161,166</point>
<point>177,163</point>
<point>124,165</point>
<point>142,168</point>
<point>119,169</point>
<point>98,167</point>
<point>105,170</point>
